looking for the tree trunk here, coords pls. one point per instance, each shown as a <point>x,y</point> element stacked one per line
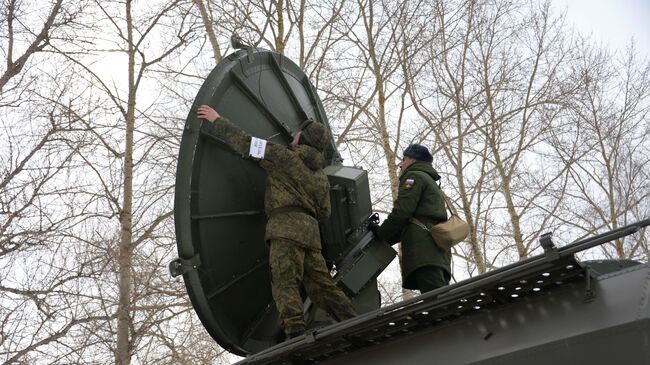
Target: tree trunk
<point>279,38</point>
<point>125,259</point>
<point>207,23</point>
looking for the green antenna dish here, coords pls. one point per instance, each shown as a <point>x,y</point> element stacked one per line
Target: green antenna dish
<point>219,210</point>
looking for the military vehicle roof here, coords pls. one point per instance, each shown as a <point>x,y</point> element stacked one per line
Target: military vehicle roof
<point>547,300</point>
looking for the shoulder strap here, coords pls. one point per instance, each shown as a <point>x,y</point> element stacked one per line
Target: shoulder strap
<point>450,207</point>
<point>448,204</point>
<point>419,224</point>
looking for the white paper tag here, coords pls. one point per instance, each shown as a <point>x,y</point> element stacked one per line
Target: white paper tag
<point>258,146</point>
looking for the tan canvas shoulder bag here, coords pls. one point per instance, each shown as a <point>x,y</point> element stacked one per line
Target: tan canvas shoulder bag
<point>449,233</point>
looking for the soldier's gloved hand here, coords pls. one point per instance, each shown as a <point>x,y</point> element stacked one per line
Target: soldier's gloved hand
<point>373,227</point>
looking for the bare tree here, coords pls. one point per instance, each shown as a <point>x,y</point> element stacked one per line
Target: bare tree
<point>208,21</point>
<point>17,34</point>
<point>133,166</point>
<point>45,271</point>
<point>450,104</point>
<point>376,104</point>
<point>40,281</point>
<point>492,86</point>
<point>610,184</point>
<point>531,130</point>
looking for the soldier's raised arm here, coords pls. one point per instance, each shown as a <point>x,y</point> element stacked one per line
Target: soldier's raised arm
<point>225,130</point>
<point>239,140</point>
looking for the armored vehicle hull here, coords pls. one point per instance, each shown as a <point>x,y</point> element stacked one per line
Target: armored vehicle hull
<point>550,309</point>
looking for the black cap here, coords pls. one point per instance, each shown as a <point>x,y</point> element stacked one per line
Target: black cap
<point>418,152</point>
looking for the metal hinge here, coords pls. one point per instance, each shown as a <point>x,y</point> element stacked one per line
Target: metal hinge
<point>181,266</point>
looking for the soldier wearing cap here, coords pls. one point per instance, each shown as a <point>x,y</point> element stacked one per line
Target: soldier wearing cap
<point>296,200</point>
<point>425,266</point>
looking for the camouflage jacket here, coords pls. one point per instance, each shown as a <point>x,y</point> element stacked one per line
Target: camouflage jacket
<point>297,191</point>
<point>419,196</point>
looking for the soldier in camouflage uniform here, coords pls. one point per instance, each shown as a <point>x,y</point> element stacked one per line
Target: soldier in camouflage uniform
<point>296,200</point>
<point>425,266</point>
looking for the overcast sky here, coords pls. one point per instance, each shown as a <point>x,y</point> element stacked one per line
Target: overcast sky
<point>612,22</point>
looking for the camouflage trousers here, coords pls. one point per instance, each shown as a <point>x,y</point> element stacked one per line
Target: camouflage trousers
<point>291,265</point>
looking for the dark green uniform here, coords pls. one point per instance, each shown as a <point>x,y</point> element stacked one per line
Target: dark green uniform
<point>424,265</point>
<point>296,199</point>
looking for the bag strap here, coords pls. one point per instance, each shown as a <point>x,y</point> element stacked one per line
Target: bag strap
<point>449,206</point>
<point>418,223</point>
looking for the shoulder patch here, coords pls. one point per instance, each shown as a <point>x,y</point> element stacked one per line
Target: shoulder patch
<point>408,183</point>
